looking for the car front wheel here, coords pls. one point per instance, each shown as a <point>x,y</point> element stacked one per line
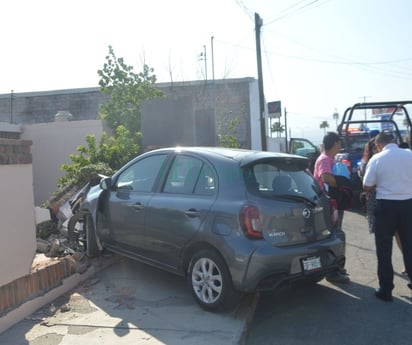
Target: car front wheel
<point>210,282</point>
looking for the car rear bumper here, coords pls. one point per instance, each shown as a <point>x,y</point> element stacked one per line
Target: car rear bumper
<point>270,268</point>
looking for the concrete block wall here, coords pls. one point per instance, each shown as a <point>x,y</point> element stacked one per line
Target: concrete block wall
<point>220,100</point>
<point>40,107</point>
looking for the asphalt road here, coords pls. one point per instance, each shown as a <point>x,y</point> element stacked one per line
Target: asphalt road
<point>339,314</point>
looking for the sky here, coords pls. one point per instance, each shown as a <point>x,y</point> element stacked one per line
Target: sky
<point>318,56</point>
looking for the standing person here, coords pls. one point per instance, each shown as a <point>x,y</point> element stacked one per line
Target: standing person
<point>389,172</point>
<point>370,196</point>
<point>323,173</point>
<point>370,203</point>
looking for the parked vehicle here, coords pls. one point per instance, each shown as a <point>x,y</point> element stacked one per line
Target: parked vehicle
<point>360,121</point>
<point>229,220</point>
<point>353,145</point>
<point>305,148</point>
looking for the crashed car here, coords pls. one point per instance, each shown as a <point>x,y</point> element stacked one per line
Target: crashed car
<point>229,220</point>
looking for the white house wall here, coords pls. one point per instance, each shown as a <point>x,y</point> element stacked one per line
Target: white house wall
<point>53,142</point>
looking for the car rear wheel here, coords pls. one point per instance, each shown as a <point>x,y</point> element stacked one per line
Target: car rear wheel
<point>210,282</point>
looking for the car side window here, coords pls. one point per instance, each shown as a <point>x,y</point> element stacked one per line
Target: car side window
<point>141,176</point>
<point>302,148</point>
<point>189,175</point>
<point>206,184</point>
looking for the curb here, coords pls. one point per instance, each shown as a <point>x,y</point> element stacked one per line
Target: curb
<point>24,310</point>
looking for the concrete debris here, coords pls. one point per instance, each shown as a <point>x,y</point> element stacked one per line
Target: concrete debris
<point>43,246</point>
<point>65,308</point>
<point>54,239</point>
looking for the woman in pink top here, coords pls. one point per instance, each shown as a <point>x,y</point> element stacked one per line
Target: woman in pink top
<point>323,173</point>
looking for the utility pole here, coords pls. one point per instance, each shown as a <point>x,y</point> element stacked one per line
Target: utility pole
<point>213,90</point>
<point>11,105</point>
<point>213,59</point>
<point>204,49</point>
<point>364,101</point>
<point>258,25</point>
<point>202,56</point>
<point>286,132</point>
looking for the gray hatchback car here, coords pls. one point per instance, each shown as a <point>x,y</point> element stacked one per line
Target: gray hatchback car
<point>231,221</point>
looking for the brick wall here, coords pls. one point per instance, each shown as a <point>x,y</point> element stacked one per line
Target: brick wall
<point>34,284</point>
<point>13,151</point>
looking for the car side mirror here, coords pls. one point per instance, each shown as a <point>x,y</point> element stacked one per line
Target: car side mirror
<point>106,183</point>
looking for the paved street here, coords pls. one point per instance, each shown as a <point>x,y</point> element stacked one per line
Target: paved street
<point>339,315</point>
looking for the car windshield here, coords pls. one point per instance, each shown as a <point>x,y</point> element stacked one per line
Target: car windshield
<point>273,179</point>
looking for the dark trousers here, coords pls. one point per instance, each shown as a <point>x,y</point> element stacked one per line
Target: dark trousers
<point>392,216</point>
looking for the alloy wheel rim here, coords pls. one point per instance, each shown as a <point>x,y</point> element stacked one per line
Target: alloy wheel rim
<point>207,280</point>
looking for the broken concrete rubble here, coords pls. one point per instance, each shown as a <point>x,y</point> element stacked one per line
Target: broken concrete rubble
<point>53,239</point>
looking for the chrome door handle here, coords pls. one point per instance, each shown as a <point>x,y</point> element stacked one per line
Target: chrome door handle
<point>192,213</point>
<point>138,206</point>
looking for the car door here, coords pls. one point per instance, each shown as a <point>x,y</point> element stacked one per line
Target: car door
<point>304,147</point>
<point>128,200</point>
<point>177,213</point>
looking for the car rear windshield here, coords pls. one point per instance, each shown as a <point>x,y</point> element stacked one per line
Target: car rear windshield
<point>276,178</point>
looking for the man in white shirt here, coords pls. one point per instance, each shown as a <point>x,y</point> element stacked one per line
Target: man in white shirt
<point>389,171</point>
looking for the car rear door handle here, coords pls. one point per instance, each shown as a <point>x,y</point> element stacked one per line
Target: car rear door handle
<point>192,213</point>
<point>138,206</point>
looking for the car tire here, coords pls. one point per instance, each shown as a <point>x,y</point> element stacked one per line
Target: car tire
<point>75,221</point>
<point>210,282</point>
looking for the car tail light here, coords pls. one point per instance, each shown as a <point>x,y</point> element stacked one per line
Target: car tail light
<point>251,222</point>
<point>334,214</point>
<point>348,164</point>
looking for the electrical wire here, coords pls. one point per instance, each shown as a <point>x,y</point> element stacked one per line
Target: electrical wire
<point>298,10</point>
<point>244,8</point>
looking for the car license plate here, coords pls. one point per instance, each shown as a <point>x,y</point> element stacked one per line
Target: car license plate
<point>311,264</point>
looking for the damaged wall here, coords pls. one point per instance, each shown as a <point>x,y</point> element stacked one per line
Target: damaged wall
<point>17,226</point>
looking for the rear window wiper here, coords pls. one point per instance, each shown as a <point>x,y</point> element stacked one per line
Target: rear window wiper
<point>299,198</point>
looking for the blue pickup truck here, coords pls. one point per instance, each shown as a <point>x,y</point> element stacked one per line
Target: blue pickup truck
<point>359,123</point>
<point>363,120</point>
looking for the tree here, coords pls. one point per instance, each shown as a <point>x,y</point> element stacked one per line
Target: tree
<point>105,157</point>
<point>324,125</point>
<point>126,90</point>
<point>336,117</point>
<point>278,128</point>
<point>229,139</point>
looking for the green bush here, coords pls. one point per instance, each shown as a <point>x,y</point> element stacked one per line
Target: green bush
<point>104,157</point>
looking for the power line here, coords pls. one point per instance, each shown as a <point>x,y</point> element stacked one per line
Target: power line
<point>376,66</point>
<point>244,8</point>
<point>298,10</point>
